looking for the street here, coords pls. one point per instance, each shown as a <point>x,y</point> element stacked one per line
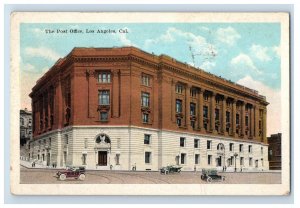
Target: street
<point>45,176</point>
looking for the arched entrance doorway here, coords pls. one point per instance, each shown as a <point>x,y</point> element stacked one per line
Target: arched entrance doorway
<point>102,150</point>
<point>220,160</point>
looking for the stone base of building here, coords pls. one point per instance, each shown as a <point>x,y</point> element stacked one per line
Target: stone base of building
<point>127,148</point>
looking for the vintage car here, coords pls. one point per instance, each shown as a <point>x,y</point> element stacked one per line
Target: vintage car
<point>71,172</point>
<point>170,169</point>
<point>211,174</point>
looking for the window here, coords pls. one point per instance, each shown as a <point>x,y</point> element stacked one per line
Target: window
<point>237,119</point>
<point>193,124</point>
<point>66,140</point>
<point>145,80</point>
<point>205,112</point>
<point>145,98</point>
<point>196,143</point>
<point>85,143</point>
<point>228,104</point>
<point>193,92</point>
<point>231,161</point>
<point>250,161</point>
<point>182,158</point>
<point>147,157</point>
<point>246,120</point>
<point>241,161</point>
<point>117,159</point>
<point>179,88</point>
<point>103,116</point>
<point>43,157</point>
<point>227,117</point>
<point>241,148</point>
<point>259,124</point>
<point>217,114</point>
<point>104,77</point>
<point>182,141</point>
<point>104,97</point>
<point>250,148</point>
<point>145,117</point>
<point>262,150</point>
<point>262,162</point>
<point>209,159</point>
<point>192,109</point>
<point>217,100</point>
<point>197,157</point>
<point>205,97</point>
<point>209,144</point>
<point>84,159</point>
<point>231,147</point>
<point>178,121</point>
<point>178,106</point>
<point>147,138</point>
<point>22,121</point>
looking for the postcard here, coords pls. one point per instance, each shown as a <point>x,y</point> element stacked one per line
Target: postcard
<point>120,103</point>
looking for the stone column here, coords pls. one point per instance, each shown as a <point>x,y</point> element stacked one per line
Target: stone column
<point>200,111</point>
<point>187,105</point>
<point>224,115</point>
<point>243,119</point>
<point>233,125</point>
<point>212,111</point>
<point>173,104</point>
<point>252,122</point>
<point>256,113</point>
<point>264,129</point>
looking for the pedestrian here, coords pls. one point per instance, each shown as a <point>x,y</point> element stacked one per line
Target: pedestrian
<point>225,168</point>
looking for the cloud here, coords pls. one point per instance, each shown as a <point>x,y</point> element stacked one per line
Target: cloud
<point>260,52</point>
<point>227,35</point>
<point>244,63</point>
<point>277,51</point>
<point>123,39</point>
<point>42,52</point>
<point>273,96</point>
<point>208,65</point>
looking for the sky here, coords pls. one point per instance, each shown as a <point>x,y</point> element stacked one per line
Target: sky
<point>246,53</point>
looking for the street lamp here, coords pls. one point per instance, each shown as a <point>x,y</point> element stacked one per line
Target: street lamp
<point>235,155</point>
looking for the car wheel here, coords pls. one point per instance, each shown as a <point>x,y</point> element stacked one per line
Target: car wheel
<point>202,177</point>
<point>209,179</point>
<point>81,177</point>
<point>62,177</point>
<point>167,172</point>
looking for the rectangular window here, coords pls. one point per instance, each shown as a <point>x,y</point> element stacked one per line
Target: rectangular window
<point>217,114</point>
<point>147,157</point>
<point>205,112</point>
<point>231,160</point>
<point>209,159</point>
<point>104,97</point>
<point>241,161</point>
<point>178,106</point>
<point>66,140</point>
<point>250,148</point>
<point>117,159</point>
<point>103,116</point>
<point>262,150</point>
<point>259,125</point>
<point>197,157</point>
<point>241,148</point>
<point>147,138</point>
<point>104,77</point>
<point>262,162</point>
<point>237,119</point>
<point>178,121</point>
<point>179,88</point>
<point>205,97</point>
<point>192,109</point>
<point>182,158</point>
<point>246,120</point>
<point>84,159</point>
<point>145,117</point>
<point>231,147</point>
<point>250,161</point>
<point>196,143</point>
<point>182,141</point>
<point>227,117</point>
<point>145,99</point>
<point>145,80</point>
<point>209,144</point>
<point>193,92</point>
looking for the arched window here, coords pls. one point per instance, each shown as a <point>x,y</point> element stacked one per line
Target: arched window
<point>102,138</point>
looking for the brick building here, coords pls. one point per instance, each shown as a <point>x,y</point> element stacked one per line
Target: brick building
<point>121,108</point>
<point>274,155</point>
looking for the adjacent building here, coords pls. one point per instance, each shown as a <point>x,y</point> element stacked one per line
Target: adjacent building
<point>274,155</point>
<point>25,126</point>
<point>123,108</point>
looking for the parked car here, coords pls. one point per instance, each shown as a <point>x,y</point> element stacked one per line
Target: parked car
<point>211,174</point>
<point>71,172</point>
<point>170,169</point>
